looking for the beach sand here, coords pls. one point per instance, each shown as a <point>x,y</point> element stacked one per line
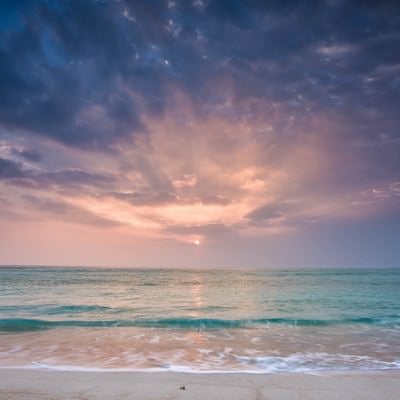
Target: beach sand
<point>53,385</point>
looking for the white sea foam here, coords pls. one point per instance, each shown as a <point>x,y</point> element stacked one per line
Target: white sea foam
<point>313,363</point>
<point>271,369</point>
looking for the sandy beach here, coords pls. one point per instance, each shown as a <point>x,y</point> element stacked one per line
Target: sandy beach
<point>46,385</point>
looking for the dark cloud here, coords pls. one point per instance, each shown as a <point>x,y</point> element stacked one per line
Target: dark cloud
<point>13,172</point>
<point>27,154</point>
<point>265,213</point>
<point>146,199</point>
<point>83,72</point>
<point>73,177</point>
<point>58,77</point>
<point>10,169</point>
<point>67,212</point>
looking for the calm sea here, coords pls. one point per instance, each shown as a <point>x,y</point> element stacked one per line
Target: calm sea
<point>257,321</point>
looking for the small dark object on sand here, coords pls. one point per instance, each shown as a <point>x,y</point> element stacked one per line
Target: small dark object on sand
<point>182,387</point>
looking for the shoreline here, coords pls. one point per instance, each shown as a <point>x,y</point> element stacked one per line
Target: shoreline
<point>35,384</point>
<point>38,367</point>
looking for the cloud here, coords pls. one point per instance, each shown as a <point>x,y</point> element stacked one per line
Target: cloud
<point>335,50</point>
<point>66,212</point>
<point>10,169</point>
<point>66,95</point>
<point>149,199</point>
<point>265,213</point>
<point>27,154</point>
<point>73,177</point>
<point>189,232</point>
<point>226,117</point>
<point>90,89</point>
<point>69,178</point>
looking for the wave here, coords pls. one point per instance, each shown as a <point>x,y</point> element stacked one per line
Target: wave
<point>25,324</point>
<point>297,362</point>
<point>309,362</point>
<point>76,309</point>
<point>54,310</point>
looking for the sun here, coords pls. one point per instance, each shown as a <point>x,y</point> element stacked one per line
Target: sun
<point>197,242</point>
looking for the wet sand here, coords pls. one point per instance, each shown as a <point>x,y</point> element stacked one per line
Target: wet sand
<point>20,384</point>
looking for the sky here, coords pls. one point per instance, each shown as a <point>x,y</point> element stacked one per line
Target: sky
<point>205,133</point>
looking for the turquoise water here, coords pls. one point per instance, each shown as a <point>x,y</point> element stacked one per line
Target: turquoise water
<point>199,320</point>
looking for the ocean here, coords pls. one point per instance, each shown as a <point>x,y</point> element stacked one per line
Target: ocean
<point>256,321</point>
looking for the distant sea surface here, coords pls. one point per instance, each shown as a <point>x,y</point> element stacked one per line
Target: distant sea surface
<point>258,321</point>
